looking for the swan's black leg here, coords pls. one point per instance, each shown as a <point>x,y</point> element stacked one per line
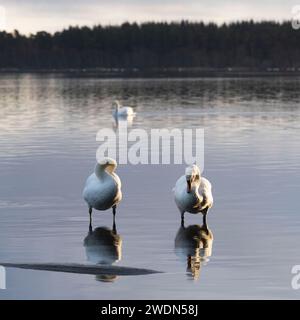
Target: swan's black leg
<point>204,218</point>
<point>182,219</point>
<point>90,213</point>
<point>114,228</point>
<point>114,212</point>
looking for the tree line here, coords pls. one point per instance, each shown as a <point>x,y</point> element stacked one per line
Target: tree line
<point>245,44</point>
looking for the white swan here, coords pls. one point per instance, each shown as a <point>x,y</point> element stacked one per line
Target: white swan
<point>193,193</point>
<point>122,111</point>
<point>103,187</point>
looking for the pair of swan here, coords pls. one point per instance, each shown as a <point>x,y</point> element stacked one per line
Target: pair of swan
<point>102,190</point>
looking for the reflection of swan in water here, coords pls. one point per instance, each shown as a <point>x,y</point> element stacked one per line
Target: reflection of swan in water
<point>106,278</point>
<point>194,243</point>
<point>123,122</point>
<point>103,246</point>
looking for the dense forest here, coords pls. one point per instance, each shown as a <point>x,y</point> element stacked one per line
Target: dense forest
<point>156,45</point>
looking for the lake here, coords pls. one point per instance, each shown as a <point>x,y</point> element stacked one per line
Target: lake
<point>48,127</point>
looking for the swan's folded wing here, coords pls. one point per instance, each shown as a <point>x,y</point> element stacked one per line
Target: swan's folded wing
<point>200,203</point>
<point>180,184</point>
<point>206,194</point>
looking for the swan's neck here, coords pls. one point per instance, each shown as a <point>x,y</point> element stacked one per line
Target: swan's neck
<point>195,195</point>
<point>194,189</point>
<point>102,170</point>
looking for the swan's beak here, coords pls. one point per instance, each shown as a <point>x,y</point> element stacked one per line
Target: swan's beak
<point>189,185</point>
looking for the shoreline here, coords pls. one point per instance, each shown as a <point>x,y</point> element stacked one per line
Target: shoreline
<point>158,73</point>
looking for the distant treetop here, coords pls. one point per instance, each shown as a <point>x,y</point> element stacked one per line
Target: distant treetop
<point>245,44</point>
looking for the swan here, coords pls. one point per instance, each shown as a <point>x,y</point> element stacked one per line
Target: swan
<point>193,193</point>
<point>122,111</point>
<point>103,187</point>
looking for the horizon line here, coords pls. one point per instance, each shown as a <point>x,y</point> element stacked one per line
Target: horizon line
<point>140,23</point>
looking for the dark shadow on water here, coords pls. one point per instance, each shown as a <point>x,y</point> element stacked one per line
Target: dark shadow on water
<point>78,268</point>
<point>103,247</point>
<point>193,245</point>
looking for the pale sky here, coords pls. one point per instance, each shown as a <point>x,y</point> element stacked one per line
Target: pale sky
<point>51,15</point>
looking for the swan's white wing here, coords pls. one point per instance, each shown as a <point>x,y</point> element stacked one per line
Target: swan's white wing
<point>180,183</point>
<point>117,179</point>
<point>90,188</point>
<point>180,193</point>
<point>205,183</point>
<point>205,192</point>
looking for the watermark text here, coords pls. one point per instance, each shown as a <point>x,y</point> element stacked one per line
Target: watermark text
<point>156,146</point>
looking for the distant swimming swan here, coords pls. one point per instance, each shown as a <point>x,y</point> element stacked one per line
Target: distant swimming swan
<point>103,187</point>
<point>193,193</point>
<point>122,111</point>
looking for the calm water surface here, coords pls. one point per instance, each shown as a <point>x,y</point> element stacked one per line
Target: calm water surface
<point>48,127</point>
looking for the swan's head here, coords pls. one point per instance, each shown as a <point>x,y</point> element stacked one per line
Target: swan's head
<point>116,104</point>
<point>192,174</point>
<point>105,164</point>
